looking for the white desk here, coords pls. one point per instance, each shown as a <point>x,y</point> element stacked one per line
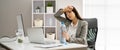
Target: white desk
<point>31,46</point>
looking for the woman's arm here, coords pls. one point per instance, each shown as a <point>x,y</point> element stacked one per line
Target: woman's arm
<point>82,35</point>
<point>59,17</point>
<point>60,12</point>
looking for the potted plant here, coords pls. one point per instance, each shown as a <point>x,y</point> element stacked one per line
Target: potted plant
<point>37,9</point>
<point>49,7</point>
<point>49,4</point>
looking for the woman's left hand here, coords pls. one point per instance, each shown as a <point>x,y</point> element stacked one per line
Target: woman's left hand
<point>66,36</point>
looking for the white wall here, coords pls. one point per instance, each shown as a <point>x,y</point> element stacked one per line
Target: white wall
<point>107,13</point>
<point>76,3</point>
<point>9,9</point>
<point>112,24</point>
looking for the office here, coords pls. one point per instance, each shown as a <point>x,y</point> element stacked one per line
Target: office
<point>103,10</point>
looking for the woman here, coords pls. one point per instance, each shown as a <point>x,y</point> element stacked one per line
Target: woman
<point>76,26</point>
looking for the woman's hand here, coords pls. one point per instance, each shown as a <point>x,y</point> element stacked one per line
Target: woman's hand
<point>66,36</point>
<point>68,8</point>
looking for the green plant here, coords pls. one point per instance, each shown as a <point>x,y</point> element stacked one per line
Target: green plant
<point>49,4</point>
<point>38,7</point>
<point>20,40</point>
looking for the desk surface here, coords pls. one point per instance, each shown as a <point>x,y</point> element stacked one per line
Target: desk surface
<point>32,46</point>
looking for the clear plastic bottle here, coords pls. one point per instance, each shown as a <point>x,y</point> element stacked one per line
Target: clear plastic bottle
<point>63,29</point>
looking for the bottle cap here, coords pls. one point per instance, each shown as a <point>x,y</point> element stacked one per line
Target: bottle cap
<point>62,22</point>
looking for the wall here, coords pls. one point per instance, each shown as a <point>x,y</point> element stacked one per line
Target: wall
<point>9,9</point>
<point>78,4</point>
<point>107,12</point>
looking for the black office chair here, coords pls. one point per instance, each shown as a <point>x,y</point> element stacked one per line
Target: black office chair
<point>92,32</point>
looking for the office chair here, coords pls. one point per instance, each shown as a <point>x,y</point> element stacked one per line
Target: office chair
<point>92,32</point>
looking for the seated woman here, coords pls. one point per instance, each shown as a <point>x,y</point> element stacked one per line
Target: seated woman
<point>76,26</point>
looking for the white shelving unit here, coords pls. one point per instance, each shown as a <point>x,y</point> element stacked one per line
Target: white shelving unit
<point>41,17</point>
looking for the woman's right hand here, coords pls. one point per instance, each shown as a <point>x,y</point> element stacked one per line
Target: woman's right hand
<point>66,36</point>
<point>68,8</point>
<point>65,9</point>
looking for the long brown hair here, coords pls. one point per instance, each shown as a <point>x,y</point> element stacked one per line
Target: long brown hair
<point>76,14</point>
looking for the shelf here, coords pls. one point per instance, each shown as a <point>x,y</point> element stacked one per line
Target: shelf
<point>47,26</point>
<point>43,16</point>
<point>50,26</point>
<point>49,20</point>
<point>49,0</point>
<point>40,16</point>
<point>37,27</point>
<point>53,6</point>
<point>38,4</point>
<point>38,20</point>
<point>38,13</point>
<point>50,30</point>
<point>49,13</point>
<point>38,0</point>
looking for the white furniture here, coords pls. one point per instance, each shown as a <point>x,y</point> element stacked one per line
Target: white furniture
<point>32,46</point>
<point>46,20</point>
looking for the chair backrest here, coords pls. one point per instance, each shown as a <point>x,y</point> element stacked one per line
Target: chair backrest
<point>92,31</point>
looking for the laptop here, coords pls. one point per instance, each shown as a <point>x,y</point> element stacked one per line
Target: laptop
<point>36,35</point>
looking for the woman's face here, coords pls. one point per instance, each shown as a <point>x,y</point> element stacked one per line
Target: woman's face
<point>70,15</point>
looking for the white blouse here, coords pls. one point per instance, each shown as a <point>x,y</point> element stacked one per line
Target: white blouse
<point>72,30</point>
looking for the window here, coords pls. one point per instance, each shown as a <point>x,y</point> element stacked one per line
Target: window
<point>107,13</point>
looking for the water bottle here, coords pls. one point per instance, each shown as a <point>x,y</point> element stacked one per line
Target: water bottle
<point>63,29</point>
